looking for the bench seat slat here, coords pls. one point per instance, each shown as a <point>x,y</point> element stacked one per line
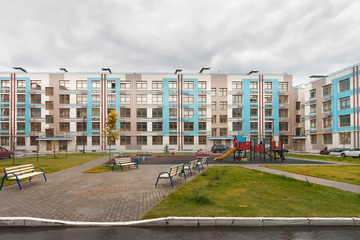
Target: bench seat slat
<point>22,166</point>
<point>28,175</point>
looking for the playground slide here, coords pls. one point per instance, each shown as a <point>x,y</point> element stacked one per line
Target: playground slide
<point>226,154</point>
<point>271,155</point>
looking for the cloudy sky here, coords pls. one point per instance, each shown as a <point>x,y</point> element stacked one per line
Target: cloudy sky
<point>230,36</point>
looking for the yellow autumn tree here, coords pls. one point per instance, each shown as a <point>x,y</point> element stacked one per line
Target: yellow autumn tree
<point>111,131</point>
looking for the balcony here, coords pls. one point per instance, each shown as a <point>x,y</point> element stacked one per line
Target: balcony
<point>328,114</point>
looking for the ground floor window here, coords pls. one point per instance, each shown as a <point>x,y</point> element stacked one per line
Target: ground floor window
<point>33,141</point>
<point>345,138</point>
<point>20,141</point>
<point>284,139</point>
<point>189,140</point>
<point>4,141</point>
<point>202,140</point>
<point>141,140</point>
<point>313,139</point>
<point>327,138</point>
<point>81,140</point>
<point>173,140</point>
<point>95,140</point>
<point>125,140</point>
<point>157,140</point>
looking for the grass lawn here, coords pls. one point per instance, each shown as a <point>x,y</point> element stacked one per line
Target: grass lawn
<point>234,191</point>
<point>324,158</point>
<point>341,173</point>
<point>50,164</point>
<point>100,169</point>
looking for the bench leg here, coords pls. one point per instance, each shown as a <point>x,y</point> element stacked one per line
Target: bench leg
<point>30,179</point>
<point>172,185</point>
<point>157,181</point>
<point>190,172</point>
<point>113,166</point>
<point>121,168</point>
<point>2,182</point>
<point>45,177</point>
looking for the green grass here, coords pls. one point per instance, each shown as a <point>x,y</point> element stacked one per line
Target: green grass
<point>157,153</point>
<point>99,169</point>
<point>239,192</point>
<point>341,173</point>
<point>50,164</point>
<point>324,158</point>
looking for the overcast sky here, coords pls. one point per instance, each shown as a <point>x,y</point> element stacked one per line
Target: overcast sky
<point>300,37</point>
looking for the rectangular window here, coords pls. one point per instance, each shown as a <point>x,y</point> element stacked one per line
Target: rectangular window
<point>202,126</point>
<point>223,118</point>
<point>173,85</point>
<point>253,126</point>
<point>202,98</point>
<point>173,140</point>
<point>35,98</point>
<point>202,85</point>
<point>344,85</point>
<point>237,85</point>
<point>237,112</point>
<point>222,92</point>
<point>64,84</point>
<point>213,105</point>
<point>126,126</point>
<point>125,98</point>
<point>49,119</point>
<point>49,105</point>
<point>35,112</point>
<point>327,138</point>
<point>202,140</point>
<point>188,85</point>
<point>81,112</point>
<point>33,140</point>
<point>35,126</point>
<point>313,93</point>
<point>141,85</point>
<point>172,112</point>
<point>141,140</point>
<point>189,140</point>
<point>237,126</point>
<point>283,99</point>
<point>213,132</point>
<point>64,112</point>
<point>213,92</point>
<point>64,99</point>
<point>81,85</point>
<point>253,99</point>
<point>173,126</point>
<point>21,111</point>
<point>111,98</point>
<point>111,86</point>
<point>157,126</point>
<point>81,126</point>
<point>298,118</point>
<point>95,98</point>
<point>313,123</point>
<point>141,112</point>
<point>298,104</point>
<point>5,141</point>
<point>141,98</point>
<point>157,113</point>
<point>345,120</point>
<point>283,86</point>
<point>21,84</point>
<point>268,126</point>
<point>157,140</point>
<point>95,140</point>
<point>95,112</point>
<point>172,98</point>
<point>95,126</point>
<point>157,85</point>
<point>223,132</point>
<point>21,98</point>
<point>202,112</point>
<point>49,91</point>
<point>345,138</point>
<point>125,140</point>
<point>4,126</point>
<point>20,141</point>
<point>254,85</point>
<point>35,84</point>
<point>157,98</point>
<point>81,98</point>
<point>268,99</point>
<point>283,113</point>
<point>5,112</point>
<point>141,126</point>
<point>253,112</point>
<point>237,99</point>
<point>327,90</point>
<point>5,83</point>
<point>213,119</point>
<point>188,99</point>
<point>327,106</point>
<point>344,102</point>
<point>223,105</point>
<point>81,140</point>
<point>313,139</point>
<point>327,122</point>
<point>21,126</point>
<point>268,85</point>
<point>283,126</point>
<point>64,126</point>
<point>188,113</point>
<point>268,112</point>
<point>125,85</point>
<point>95,84</point>
<point>188,126</point>
<point>313,108</point>
<point>125,112</point>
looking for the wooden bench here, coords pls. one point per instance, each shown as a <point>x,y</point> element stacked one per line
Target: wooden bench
<point>21,172</point>
<point>192,166</point>
<point>123,162</point>
<point>177,170</point>
<point>202,162</point>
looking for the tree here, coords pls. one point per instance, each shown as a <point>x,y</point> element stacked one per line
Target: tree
<point>54,147</point>
<point>111,131</point>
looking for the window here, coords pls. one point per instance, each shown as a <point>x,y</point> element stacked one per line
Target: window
<point>21,84</point>
<point>141,140</point>
<point>283,99</point>
<point>21,111</point>
<point>172,98</point>
<point>4,141</point>
<point>327,122</point>
<point>189,140</point>
<point>111,98</point>
<point>49,105</point>
<point>283,86</point>
<point>202,126</point>
<point>202,140</point>
<point>95,98</point>
<point>254,85</point>
<point>284,139</point>
<point>157,85</point>
<point>283,126</point>
<point>125,85</point>
<point>125,112</point>
<point>49,119</point>
<point>64,84</point>
<point>49,91</point>
<point>64,126</point>
<point>202,112</point>
<point>253,126</point>
<point>223,105</point>
<point>141,112</point>
<point>81,112</point>
<point>157,126</point>
<point>95,112</point>
<point>313,139</point>
<point>35,126</point>
<point>173,85</point>
<point>95,126</point>
<point>173,140</point>
<point>35,98</point>
<point>81,140</point>
<point>202,98</point>
<point>35,112</point>
<point>283,113</point>
<point>35,84</point>
<point>188,99</point>
<point>21,126</point>
<point>268,85</point>
<point>111,85</point>
<point>237,112</point>
<point>313,108</point>
<point>141,98</point>
<point>64,112</point>
<point>95,140</point>
<point>188,85</point>
<point>125,140</point>
<point>213,119</point>
<point>157,112</point>
<point>223,92</point>
<point>327,138</point>
<point>213,132</point>
<point>141,85</point>
<point>253,99</point>
<point>188,113</point>
<point>237,99</point>
<point>345,138</point>
<point>202,85</point>
<point>313,93</point>
<point>141,126</point>
<point>157,98</point>
<point>253,112</point>
<point>344,85</point>
<point>5,83</point>
<point>268,125</point>
<point>125,98</point>
<point>313,123</point>
<point>5,112</point>
<point>126,126</point>
<point>33,141</point>
<point>327,90</point>
<point>344,102</point>
<point>81,85</point>
<point>213,105</point>
<point>188,126</point>
<point>95,84</point>
<point>213,92</point>
<point>298,118</point>
<point>81,98</point>
<point>223,118</point>
<point>345,120</point>
<point>21,98</point>
<point>81,126</point>
<point>64,99</point>
<point>268,112</point>
<point>157,140</point>
<point>298,105</point>
<point>172,112</point>
<point>268,99</point>
<point>4,126</point>
<point>223,132</point>
<point>237,126</point>
<point>237,85</point>
<point>327,106</point>
<point>20,141</point>
<point>172,126</point>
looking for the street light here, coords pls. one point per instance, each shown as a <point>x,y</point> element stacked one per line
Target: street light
<point>63,69</point>
<point>178,71</point>
<point>252,71</point>
<point>204,69</point>
<point>20,68</point>
<point>106,69</point>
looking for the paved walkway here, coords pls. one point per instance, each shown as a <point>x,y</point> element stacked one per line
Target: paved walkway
<point>117,196</point>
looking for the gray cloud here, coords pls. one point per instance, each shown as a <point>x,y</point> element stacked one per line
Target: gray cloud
<point>298,37</point>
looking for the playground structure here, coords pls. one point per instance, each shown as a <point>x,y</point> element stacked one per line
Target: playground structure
<point>256,150</point>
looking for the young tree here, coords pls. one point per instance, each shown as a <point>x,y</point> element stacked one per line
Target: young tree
<point>111,131</point>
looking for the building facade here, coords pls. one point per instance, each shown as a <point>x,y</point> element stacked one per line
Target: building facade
<point>67,111</point>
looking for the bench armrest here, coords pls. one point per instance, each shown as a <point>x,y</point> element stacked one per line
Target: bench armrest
<point>40,169</point>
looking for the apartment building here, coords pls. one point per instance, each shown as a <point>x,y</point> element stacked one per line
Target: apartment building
<point>67,111</point>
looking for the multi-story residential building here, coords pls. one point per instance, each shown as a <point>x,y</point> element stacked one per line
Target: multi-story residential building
<point>332,110</point>
<point>185,111</point>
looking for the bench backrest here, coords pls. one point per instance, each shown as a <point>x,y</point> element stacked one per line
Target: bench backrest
<point>122,160</point>
<point>193,163</point>
<point>203,160</point>
<point>19,170</point>
<point>176,169</point>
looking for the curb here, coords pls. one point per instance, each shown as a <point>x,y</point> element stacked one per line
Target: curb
<point>185,222</point>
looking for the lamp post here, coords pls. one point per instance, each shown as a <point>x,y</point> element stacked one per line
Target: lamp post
<point>84,135</point>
